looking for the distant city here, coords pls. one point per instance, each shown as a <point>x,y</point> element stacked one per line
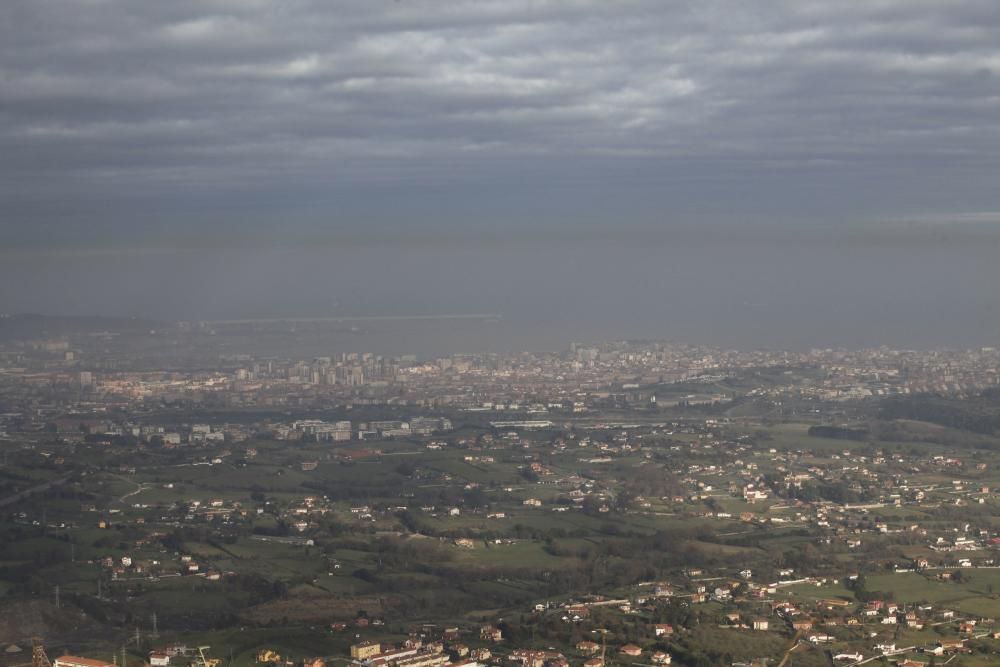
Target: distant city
<point>94,370</point>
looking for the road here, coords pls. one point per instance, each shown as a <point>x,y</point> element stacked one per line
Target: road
<point>139,488</point>
<point>794,645</point>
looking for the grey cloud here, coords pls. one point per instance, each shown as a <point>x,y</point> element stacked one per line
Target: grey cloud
<point>109,107</point>
<point>142,129</point>
<point>131,91</point>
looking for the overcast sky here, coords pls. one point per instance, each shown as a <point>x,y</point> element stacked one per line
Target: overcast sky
<point>147,143</point>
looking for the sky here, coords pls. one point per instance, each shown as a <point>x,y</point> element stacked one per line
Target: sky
<point>756,173</point>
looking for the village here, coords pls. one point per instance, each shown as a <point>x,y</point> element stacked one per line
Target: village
<point>635,524</point>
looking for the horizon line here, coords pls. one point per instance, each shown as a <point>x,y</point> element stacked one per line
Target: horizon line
<point>355,318</point>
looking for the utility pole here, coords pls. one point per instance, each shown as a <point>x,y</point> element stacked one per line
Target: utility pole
<point>98,587</point>
<point>155,633</point>
<point>137,638</point>
<point>57,596</point>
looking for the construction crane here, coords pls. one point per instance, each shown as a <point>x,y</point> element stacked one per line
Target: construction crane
<point>39,658</point>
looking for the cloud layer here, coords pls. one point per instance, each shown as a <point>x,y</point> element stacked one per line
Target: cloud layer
<point>627,165</point>
<point>103,100</point>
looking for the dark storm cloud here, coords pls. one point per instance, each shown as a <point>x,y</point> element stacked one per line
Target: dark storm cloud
<point>105,98</point>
